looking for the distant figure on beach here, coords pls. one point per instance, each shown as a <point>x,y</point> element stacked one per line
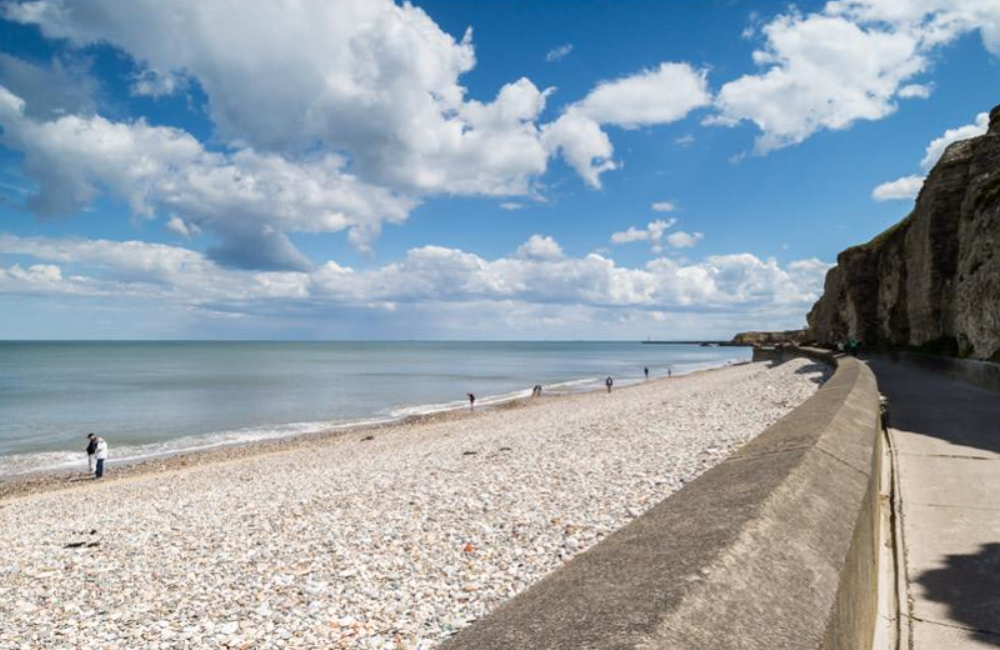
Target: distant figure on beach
<point>609,382</point>
<point>670,371</point>
<point>536,391</point>
<point>92,452</point>
<point>102,455</point>
<point>646,370</point>
<point>472,401</point>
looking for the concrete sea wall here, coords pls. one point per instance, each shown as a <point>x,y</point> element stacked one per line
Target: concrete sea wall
<point>775,548</point>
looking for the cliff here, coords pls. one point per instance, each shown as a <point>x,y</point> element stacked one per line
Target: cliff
<point>932,281</point>
<point>770,338</point>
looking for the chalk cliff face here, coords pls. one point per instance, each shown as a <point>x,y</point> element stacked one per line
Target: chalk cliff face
<point>931,281</point>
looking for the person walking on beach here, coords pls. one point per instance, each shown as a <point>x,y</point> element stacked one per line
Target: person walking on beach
<point>646,370</point>
<point>670,371</point>
<point>609,382</point>
<point>536,391</point>
<point>102,455</point>
<point>472,401</point>
<point>92,452</point>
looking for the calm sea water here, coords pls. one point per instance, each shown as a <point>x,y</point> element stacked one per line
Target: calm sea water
<point>152,398</point>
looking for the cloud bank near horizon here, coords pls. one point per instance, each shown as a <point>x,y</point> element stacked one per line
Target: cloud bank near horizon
<point>536,278</point>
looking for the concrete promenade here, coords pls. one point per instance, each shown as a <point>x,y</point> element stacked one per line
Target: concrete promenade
<point>946,435</point>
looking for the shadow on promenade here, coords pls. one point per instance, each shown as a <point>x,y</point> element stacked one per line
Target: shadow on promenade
<point>948,424</point>
<point>931,404</point>
<point>969,585</point>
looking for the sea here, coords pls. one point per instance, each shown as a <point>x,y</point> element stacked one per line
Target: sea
<point>151,399</point>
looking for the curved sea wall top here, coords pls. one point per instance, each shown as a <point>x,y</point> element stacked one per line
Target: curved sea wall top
<point>775,548</point>
<point>932,281</point>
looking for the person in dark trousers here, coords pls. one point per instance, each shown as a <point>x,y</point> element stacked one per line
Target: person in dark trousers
<point>646,370</point>
<point>472,401</point>
<point>92,452</point>
<point>670,372</point>
<point>102,455</point>
<point>609,382</point>
<point>536,391</point>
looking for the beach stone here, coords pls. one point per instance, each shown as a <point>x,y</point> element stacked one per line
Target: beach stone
<point>393,543</point>
<point>228,628</point>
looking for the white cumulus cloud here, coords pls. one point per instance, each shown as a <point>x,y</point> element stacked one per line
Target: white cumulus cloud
<point>849,61</point>
<point>375,82</point>
<point>906,187</point>
<point>559,53</point>
<point>647,98</point>
<point>659,96</point>
<point>582,143</point>
<point>820,72</point>
<point>333,115</point>
<point>249,199</point>
<point>681,239</point>
<point>180,227</point>
<point>539,247</point>
<point>654,233</point>
<point>915,91</point>
<point>664,206</point>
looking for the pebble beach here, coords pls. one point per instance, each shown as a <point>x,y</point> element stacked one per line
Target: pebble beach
<point>383,538</point>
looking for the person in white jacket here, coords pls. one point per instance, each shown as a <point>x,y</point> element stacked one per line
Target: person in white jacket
<point>102,455</point>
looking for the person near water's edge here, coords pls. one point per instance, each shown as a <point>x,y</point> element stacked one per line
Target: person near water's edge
<point>536,391</point>
<point>102,455</point>
<point>92,452</point>
<point>646,370</point>
<point>609,382</point>
<point>472,401</point>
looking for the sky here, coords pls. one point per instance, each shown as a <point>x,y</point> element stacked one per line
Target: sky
<point>364,169</point>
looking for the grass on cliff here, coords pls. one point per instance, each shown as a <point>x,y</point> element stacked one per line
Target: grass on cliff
<point>883,237</point>
<point>880,239</point>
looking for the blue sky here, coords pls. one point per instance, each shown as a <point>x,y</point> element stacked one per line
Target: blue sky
<point>364,169</point>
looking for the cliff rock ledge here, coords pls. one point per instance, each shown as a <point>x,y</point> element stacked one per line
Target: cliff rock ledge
<point>932,281</point>
<point>770,338</point>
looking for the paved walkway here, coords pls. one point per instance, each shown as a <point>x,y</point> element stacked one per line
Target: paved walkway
<point>947,437</point>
